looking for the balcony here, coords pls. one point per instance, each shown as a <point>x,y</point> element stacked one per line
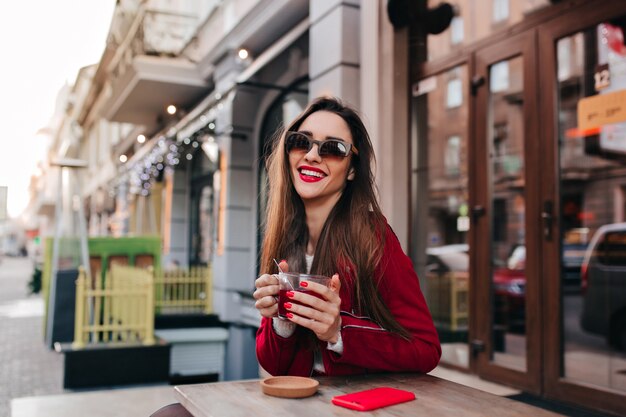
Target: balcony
<point>148,71</point>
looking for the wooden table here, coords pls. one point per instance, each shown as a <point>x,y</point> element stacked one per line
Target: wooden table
<point>435,397</point>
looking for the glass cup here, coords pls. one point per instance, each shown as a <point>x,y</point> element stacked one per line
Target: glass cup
<point>290,281</point>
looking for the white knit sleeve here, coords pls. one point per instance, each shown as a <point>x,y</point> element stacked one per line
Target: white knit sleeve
<point>283,328</point>
<point>336,347</point>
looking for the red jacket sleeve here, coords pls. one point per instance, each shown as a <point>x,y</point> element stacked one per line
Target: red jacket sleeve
<point>283,356</point>
<point>367,345</point>
<point>274,353</point>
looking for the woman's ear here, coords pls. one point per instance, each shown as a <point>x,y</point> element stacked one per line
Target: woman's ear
<point>351,174</point>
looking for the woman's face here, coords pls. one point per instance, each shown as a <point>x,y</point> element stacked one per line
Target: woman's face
<point>320,180</point>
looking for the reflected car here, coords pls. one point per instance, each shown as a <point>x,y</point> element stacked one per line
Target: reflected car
<point>574,246</point>
<point>603,285</point>
<point>451,262</point>
<point>448,258</point>
<point>509,291</point>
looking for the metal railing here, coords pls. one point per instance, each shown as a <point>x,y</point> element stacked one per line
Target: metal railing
<point>119,309</point>
<point>182,291</point>
<point>157,32</point>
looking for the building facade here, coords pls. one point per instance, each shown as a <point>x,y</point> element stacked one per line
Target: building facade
<point>517,190</point>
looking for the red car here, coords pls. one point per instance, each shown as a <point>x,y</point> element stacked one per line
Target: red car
<point>509,295</point>
<point>509,291</point>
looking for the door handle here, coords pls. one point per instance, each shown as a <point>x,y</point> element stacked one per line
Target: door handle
<point>477,346</point>
<point>478,211</point>
<point>547,219</point>
<point>477,82</point>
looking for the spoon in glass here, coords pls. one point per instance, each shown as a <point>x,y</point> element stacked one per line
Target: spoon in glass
<point>279,268</point>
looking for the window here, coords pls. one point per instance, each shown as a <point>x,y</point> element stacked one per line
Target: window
<point>500,10</point>
<point>613,249</point>
<point>452,157</point>
<point>500,220</point>
<point>499,77</point>
<point>456,30</point>
<point>454,97</point>
<point>621,199</point>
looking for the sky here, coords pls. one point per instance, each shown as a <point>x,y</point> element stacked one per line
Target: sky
<point>44,43</point>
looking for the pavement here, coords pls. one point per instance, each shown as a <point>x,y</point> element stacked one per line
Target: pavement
<point>27,367</point>
<point>31,375</point>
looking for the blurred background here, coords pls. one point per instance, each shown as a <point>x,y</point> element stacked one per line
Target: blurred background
<point>133,185</point>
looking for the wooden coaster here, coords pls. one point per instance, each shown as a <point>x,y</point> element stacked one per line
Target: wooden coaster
<point>289,386</point>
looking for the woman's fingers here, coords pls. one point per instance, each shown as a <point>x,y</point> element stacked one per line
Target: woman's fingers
<point>320,316</point>
<point>266,295</point>
<point>325,326</point>
<point>335,284</point>
<point>326,315</point>
<point>265,285</point>
<point>328,293</point>
<point>267,306</point>
<point>283,266</point>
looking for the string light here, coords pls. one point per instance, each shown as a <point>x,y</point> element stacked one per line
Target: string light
<point>243,54</point>
<point>166,155</point>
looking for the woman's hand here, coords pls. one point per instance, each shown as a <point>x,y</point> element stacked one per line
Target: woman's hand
<point>266,293</point>
<point>319,315</point>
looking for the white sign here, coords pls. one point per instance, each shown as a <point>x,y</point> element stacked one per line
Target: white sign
<point>425,86</point>
<point>613,138</point>
<point>462,223</point>
<point>3,202</point>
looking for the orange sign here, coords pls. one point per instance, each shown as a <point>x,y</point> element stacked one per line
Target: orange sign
<point>603,109</point>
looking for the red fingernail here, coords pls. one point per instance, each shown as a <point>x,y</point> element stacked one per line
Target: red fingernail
<point>289,294</point>
<point>282,261</point>
<point>304,284</point>
<point>289,315</point>
<point>287,305</point>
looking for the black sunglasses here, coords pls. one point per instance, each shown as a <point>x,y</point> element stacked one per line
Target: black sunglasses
<point>330,147</point>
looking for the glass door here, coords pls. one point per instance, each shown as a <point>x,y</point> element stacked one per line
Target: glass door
<point>440,197</point>
<point>584,152</point>
<point>506,344</point>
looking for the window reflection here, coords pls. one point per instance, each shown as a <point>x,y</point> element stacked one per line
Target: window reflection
<point>593,229</point>
<point>443,174</point>
<point>500,10</point>
<point>476,20</point>
<point>508,223</point>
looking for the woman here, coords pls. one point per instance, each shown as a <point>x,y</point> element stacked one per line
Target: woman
<point>323,218</point>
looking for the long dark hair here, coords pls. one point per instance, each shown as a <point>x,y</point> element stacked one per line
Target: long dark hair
<point>354,233</point>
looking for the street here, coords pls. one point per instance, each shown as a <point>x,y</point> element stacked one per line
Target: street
<point>27,367</point>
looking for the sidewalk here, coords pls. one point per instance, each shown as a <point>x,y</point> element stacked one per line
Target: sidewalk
<point>27,367</point>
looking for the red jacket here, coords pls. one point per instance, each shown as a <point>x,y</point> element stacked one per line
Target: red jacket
<point>367,347</point>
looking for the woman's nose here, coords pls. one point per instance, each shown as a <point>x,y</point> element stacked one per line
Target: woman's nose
<point>313,154</point>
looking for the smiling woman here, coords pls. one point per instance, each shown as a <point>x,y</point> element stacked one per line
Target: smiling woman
<point>323,218</point>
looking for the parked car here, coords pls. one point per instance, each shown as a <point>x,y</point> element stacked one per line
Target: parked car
<point>603,284</point>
